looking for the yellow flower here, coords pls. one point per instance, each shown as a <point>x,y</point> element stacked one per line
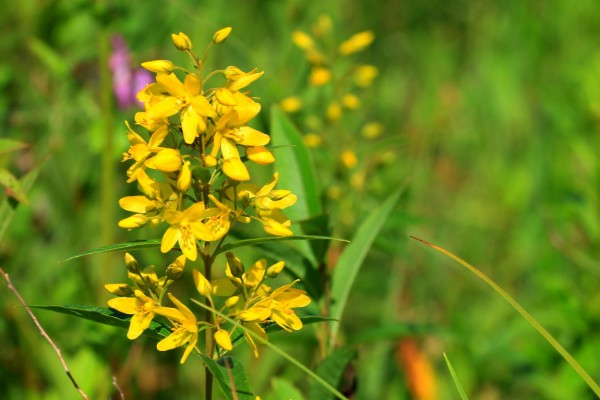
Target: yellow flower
<point>185,98</point>
<point>356,42</point>
<point>141,307</point>
<point>150,154</point>
<point>185,330</point>
<point>216,220</point>
<point>162,198</point>
<point>349,159</point>
<point>372,130</point>
<point>239,79</point>
<point>312,140</point>
<point>334,111</point>
<point>267,202</point>
<point>186,227</point>
<point>291,104</point>
<point>364,75</point>
<point>319,76</point>
<point>281,302</point>
<point>302,40</point>
<point>351,101</point>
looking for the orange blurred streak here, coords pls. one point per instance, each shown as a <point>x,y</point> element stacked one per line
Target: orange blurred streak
<point>418,370</point>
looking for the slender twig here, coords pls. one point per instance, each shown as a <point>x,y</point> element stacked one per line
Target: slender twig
<point>234,394</point>
<point>116,385</point>
<point>44,334</point>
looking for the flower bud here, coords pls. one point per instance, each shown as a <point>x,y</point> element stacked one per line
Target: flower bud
<point>222,338</point>
<point>181,41</point>
<point>221,35</point>
<point>232,301</point>
<point>175,269</point>
<point>159,66</point>
<point>209,161</point>
<point>235,265</point>
<point>133,222</point>
<point>184,181</point>
<point>202,284</point>
<point>132,264</point>
<point>119,289</point>
<point>275,269</point>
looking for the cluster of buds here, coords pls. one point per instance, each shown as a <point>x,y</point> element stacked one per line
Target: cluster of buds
<point>192,177</point>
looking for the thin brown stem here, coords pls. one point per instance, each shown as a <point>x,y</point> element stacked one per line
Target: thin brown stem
<point>44,334</point>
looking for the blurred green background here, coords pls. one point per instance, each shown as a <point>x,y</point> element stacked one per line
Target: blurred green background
<point>491,109</point>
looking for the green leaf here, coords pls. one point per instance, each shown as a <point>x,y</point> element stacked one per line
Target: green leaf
<point>8,145</point>
<point>230,375</point>
<point>318,225</point>
<point>461,391</point>
<point>8,207</point>
<point>296,172</point>
<point>332,371</point>
<point>256,241</point>
<point>351,259</point>
<point>135,245</point>
<point>284,389</point>
<point>108,316</point>
<point>13,186</point>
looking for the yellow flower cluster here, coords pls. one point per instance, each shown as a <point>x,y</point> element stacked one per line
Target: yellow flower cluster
<point>192,176</point>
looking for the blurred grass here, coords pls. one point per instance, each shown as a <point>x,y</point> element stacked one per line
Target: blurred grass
<point>492,109</point>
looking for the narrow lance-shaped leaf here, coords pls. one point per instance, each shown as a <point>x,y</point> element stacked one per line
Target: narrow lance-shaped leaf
<point>13,186</point>
<point>352,258</point>
<point>296,172</point>
<point>461,391</point>
<point>331,370</point>
<point>108,316</point>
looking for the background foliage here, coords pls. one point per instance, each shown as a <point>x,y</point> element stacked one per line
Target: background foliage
<point>492,112</point>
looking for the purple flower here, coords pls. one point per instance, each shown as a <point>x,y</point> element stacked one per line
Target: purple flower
<point>127,81</point>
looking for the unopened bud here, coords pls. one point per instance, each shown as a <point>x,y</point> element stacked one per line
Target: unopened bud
<point>221,35</point>
<point>202,284</point>
<point>235,265</point>
<point>275,269</point>
<point>181,41</point>
<point>184,181</point>
<point>132,264</point>
<point>159,66</point>
<point>175,269</point>
<point>232,301</point>
<point>119,289</point>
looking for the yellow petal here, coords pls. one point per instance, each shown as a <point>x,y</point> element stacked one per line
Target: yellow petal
<point>189,124</point>
<point>235,169</point>
<point>202,284</point>
<point>139,323</point>
<point>287,320</point>
<point>126,305</point>
<point>137,204</point>
<point>164,108</point>
<point>356,43</point>
<point>169,239</point>
<point>184,180</point>
<point>251,137</point>
<point>166,160</point>
<point>133,222</point>
<point>171,84</point>
<point>260,155</point>
<point>302,40</point>
<point>223,287</point>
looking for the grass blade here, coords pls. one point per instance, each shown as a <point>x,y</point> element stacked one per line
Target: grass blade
<point>461,391</point>
<point>538,327</point>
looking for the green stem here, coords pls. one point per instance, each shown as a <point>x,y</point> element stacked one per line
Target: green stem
<point>107,201</point>
<point>210,344</point>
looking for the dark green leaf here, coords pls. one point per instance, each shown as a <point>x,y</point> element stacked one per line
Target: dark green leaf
<point>332,371</point>
<point>230,375</point>
<point>318,225</point>
<point>108,316</point>
<point>296,172</point>
<point>127,246</point>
